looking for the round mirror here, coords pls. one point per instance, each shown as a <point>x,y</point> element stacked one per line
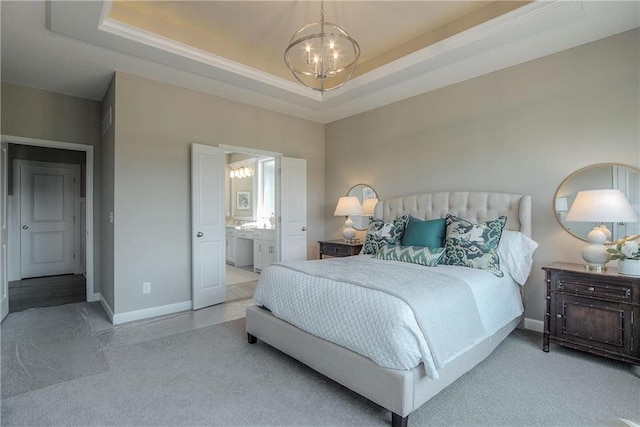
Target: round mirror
<point>368,199</point>
<point>598,177</point>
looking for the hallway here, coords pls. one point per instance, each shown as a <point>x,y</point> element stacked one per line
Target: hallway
<point>46,291</point>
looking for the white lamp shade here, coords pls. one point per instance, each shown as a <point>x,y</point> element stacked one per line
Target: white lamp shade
<point>368,206</point>
<point>601,206</point>
<point>348,205</point>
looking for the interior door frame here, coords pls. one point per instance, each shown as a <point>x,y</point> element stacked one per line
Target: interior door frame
<point>89,197</point>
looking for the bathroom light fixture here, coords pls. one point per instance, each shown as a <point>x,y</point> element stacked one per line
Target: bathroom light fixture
<point>321,55</point>
<point>243,172</point>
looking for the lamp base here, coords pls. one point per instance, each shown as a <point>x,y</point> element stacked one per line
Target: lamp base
<point>596,268</point>
<point>595,254</point>
<point>349,233</point>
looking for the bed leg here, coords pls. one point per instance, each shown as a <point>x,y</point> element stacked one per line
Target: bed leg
<point>398,421</point>
<point>251,339</point>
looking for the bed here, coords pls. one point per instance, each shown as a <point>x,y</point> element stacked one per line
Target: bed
<point>399,386</point>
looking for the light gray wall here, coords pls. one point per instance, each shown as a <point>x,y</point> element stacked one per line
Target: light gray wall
<point>108,197</point>
<point>40,114</point>
<point>518,130</point>
<point>156,124</point>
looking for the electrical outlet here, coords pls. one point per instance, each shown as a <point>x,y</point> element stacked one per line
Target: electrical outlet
<point>146,288</point>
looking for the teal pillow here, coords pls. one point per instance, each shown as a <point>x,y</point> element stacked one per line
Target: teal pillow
<point>413,254</point>
<point>424,233</point>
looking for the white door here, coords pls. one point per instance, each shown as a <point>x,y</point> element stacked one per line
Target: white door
<point>48,195</point>
<point>4,284</point>
<point>207,225</point>
<point>293,209</point>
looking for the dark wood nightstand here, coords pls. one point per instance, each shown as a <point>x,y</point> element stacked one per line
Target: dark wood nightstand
<point>339,248</point>
<point>595,312</point>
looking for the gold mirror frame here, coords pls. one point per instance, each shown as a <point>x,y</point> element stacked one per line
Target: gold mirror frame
<point>593,177</point>
<point>362,192</point>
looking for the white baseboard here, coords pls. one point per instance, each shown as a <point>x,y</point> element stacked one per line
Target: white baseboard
<point>146,313</point>
<point>94,297</point>
<point>534,325</point>
<point>106,308</point>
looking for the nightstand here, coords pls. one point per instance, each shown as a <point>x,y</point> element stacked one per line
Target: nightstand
<point>594,312</point>
<point>339,248</point>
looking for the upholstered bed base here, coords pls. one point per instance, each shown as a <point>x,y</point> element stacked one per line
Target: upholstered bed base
<point>399,391</point>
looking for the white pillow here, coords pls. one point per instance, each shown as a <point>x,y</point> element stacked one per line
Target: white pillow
<point>516,254</point>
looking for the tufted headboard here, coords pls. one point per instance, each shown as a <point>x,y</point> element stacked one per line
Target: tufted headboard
<point>472,206</point>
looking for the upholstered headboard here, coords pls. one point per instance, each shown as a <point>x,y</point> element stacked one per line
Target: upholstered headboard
<point>472,206</point>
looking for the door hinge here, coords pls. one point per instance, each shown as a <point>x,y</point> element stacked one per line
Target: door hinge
<point>74,180</point>
<point>74,256</point>
<point>279,171</point>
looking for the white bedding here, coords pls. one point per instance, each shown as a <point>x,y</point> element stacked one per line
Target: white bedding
<point>377,324</point>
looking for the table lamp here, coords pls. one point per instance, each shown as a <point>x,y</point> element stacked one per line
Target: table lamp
<point>348,206</point>
<point>600,206</point>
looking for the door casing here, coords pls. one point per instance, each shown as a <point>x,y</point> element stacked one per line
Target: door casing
<point>89,197</point>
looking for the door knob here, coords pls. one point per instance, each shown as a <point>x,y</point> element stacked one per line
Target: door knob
<point>24,227</point>
<point>304,228</point>
<point>200,234</point>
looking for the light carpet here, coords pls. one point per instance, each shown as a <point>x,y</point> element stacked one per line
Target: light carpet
<point>67,366</point>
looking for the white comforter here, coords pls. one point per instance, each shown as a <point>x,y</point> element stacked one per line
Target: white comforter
<point>355,303</point>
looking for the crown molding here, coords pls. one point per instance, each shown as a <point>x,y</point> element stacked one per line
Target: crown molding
<point>529,32</point>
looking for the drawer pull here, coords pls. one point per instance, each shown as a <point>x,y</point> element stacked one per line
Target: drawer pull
<point>559,316</point>
<point>591,289</point>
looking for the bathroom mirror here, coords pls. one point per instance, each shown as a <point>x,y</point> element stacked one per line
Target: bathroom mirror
<point>596,177</point>
<point>363,192</point>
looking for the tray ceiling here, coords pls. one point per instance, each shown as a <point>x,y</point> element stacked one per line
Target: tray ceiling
<point>233,49</point>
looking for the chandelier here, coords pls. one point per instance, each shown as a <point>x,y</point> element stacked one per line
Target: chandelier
<point>321,55</point>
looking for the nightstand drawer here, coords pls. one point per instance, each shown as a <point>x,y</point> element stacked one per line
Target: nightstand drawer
<point>593,289</point>
<point>336,250</point>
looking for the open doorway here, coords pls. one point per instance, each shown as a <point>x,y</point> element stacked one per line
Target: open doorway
<point>286,240</point>
<point>250,218</point>
<point>49,236</point>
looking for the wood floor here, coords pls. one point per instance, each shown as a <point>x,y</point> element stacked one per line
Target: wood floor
<point>46,291</point>
<point>71,288</point>
<point>240,291</point>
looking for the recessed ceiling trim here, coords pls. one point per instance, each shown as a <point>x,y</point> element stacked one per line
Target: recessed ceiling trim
<point>419,58</point>
<point>526,33</point>
<point>534,16</point>
<point>138,35</point>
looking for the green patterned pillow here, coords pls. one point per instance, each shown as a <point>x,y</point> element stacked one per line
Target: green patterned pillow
<point>382,233</point>
<point>415,254</point>
<point>473,245</point>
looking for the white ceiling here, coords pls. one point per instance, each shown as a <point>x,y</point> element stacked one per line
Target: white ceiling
<point>74,48</point>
